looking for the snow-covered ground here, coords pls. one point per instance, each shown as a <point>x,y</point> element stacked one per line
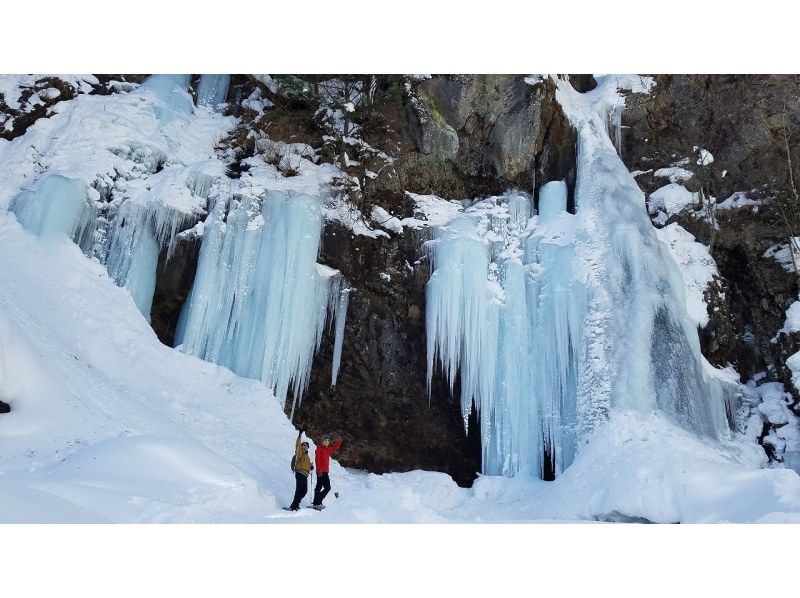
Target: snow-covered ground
<point>107,424</point>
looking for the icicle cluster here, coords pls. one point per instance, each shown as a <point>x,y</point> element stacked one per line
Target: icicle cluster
<point>504,312</point>
<point>260,301</point>
<point>212,90</point>
<point>137,234</point>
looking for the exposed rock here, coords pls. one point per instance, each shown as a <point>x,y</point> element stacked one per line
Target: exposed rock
<point>381,402</point>
<point>431,132</point>
<point>740,119</point>
<point>174,280</point>
<point>4,407</point>
<point>497,119</point>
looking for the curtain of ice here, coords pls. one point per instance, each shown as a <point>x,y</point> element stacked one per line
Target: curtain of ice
<point>503,314</point>
<point>260,301</point>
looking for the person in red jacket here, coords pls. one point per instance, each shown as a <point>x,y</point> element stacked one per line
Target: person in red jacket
<point>322,459</point>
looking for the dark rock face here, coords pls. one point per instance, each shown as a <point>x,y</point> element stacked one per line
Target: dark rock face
<point>174,280</point>
<point>381,401</point>
<point>486,128</point>
<point>4,407</point>
<point>742,120</point>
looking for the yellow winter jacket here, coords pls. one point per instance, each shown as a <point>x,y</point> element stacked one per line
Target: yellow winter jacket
<point>302,462</point>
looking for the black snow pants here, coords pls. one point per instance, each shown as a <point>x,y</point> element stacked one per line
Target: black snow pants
<point>322,488</point>
<point>301,489</point>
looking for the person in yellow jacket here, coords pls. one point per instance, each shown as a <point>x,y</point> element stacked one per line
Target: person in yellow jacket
<point>302,467</point>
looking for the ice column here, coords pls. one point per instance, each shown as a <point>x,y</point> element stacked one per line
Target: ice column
<point>260,301</point>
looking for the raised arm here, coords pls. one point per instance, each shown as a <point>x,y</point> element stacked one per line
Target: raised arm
<point>335,446</point>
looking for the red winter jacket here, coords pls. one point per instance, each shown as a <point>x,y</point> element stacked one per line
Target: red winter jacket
<point>322,456</point>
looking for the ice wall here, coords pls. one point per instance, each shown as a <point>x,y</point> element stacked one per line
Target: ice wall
<point>57,207</point>
<point>551,322</point>
<point>260,301</point>
<point>212,90</point>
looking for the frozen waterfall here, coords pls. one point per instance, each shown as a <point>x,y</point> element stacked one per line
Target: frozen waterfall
<point>552,321</point>
<point>260,301</point>
<point>212,90</point>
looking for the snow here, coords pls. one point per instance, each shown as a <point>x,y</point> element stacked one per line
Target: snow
<point>739,200</point>
<point>782,253</point>
<point>675,174</point>
<point>792,323</point>
<point>697,267</point>
<point>706,158</point>
<point>384,219</point>
<point>783,427</point>
<point>669,200</point>
<point>11,86</point>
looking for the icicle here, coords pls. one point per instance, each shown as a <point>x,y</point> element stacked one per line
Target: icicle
<point>212,90</point>
<point>340,316</point>
<point>57,207</point>
<point>552,200</point>
<point>137,234</point>
<point>614,120</point>
<point>260,302</point>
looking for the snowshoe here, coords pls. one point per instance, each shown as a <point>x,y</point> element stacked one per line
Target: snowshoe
<point>316,507</point>
<point>291,509</point>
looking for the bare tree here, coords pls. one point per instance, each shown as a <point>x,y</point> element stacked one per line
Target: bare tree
<point>787,207</point>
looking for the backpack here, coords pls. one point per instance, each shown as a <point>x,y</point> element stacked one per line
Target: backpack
<point>294,457</point>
